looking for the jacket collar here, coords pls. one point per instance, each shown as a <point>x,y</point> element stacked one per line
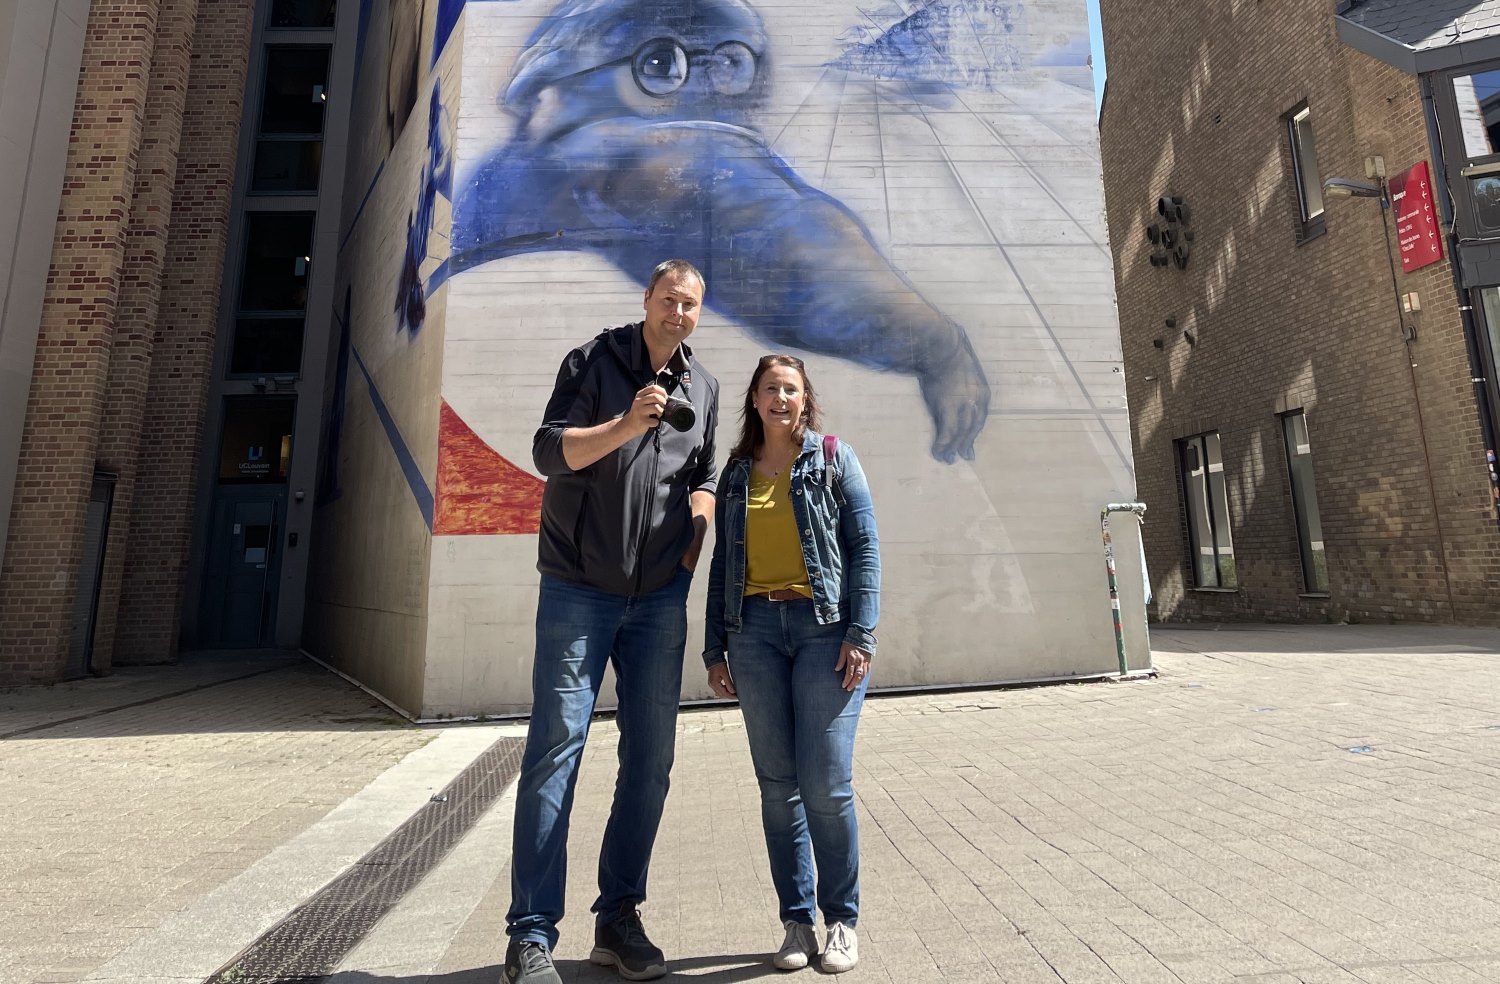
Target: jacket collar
<point>812,442</point>
<point>629,344</point>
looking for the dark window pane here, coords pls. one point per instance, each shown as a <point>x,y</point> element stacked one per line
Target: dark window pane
<point>295,91</point>
<point>278,253</point>
<point>257,441</point>
<point>266,345</point>
<point>1305,502</point>
<point>1305,161</point>
<point>286,165</point>
<point>302,13</point>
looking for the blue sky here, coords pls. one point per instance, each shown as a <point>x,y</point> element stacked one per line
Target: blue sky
<point>1096,46</point>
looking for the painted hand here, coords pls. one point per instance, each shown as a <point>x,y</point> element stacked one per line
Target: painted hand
<point>958,397</point>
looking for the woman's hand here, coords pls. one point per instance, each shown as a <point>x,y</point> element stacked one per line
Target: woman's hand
<point>855,664</point>
<point>720,682</point>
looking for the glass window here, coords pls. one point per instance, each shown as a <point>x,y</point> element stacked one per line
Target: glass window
<point>278,261</point>
<point>286,167</point>
<point>1305,502</point>
<point>289,144</point>
<point>294,93</point>
<point>1305,164</point>
<point>301,13</point>
<point>256,446</point>
<point>1207,511</point>
<point>1478,98</point>
<point>266,346</point>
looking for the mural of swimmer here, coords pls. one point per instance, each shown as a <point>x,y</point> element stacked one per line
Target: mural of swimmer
<point>635,139</point>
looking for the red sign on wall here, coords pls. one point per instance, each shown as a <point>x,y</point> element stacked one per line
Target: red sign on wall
<point>1416,218</point>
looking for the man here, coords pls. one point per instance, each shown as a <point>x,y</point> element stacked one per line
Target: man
<point>627,502</point>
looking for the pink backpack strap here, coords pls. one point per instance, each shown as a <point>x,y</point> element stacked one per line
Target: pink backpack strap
<point>830,458</point>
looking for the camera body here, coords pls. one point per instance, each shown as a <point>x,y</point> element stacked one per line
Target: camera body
<point>679,414</point>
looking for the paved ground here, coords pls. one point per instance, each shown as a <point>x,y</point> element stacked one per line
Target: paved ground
<point>1283,805</point>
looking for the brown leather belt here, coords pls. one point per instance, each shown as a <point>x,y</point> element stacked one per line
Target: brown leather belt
<point>780,594</point>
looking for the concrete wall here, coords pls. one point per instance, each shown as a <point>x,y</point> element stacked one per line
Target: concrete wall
<point>372,541</point>
<point>910,200</point>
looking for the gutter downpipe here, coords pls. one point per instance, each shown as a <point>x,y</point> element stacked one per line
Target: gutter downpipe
<point>1138,509</point>
<point>1465,306</point>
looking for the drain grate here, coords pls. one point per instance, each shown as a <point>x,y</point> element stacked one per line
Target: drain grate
<point>308,944</point>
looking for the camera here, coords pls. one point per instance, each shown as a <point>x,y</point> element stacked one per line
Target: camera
<point>679,413</point>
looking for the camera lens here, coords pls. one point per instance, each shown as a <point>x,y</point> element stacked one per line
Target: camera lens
<point>679,414</point>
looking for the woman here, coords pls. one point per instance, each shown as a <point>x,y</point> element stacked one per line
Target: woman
<point>793,598</point>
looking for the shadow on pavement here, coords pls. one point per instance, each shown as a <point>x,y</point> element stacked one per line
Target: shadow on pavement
<point>717,969</point>
<point>260,691</point>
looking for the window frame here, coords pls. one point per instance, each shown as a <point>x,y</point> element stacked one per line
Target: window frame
<point>263,136</point>
<point>1304,519</point>
<point>1309,226</point>
<point>1212,515</point>
<point>242,312</point>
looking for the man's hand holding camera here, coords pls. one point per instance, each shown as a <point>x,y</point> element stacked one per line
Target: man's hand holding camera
<point>645,412</point>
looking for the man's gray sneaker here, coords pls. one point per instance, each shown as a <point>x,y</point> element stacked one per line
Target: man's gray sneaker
<point>620,941</point>
<point>527,962</point>
<point>800,945</point>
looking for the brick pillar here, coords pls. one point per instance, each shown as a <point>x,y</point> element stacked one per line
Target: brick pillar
<point>171,439</point>
<point>59,441</point>
<point>140,297</point>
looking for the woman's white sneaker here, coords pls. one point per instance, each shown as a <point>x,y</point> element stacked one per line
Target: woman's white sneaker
<point>842,951</point>
<point>800,945</point>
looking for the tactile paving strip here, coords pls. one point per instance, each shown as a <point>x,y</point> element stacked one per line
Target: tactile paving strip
<point>308,944</point>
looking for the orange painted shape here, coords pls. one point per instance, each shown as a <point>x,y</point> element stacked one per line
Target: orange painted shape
<point>478,490</point>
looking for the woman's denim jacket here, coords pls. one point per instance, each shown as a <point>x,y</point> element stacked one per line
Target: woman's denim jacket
<point>839,546</point>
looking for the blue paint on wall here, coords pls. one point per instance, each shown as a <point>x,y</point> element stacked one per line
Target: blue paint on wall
<point>437,179</point>
<point>414,478</point>
<point>635,140</point>
<point>952,43</point>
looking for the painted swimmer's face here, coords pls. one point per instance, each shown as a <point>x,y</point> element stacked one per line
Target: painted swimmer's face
<point>663,66</point>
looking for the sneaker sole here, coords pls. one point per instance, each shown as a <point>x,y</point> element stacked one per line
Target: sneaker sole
<point>608,958</point>
<point>791,963</point>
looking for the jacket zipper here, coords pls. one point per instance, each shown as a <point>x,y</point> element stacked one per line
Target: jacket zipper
<point>640,551</point>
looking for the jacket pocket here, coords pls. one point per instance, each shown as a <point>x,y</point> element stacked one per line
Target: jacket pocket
<point>579,526</point>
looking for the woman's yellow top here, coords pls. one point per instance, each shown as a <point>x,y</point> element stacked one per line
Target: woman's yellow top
<point>773,551</point>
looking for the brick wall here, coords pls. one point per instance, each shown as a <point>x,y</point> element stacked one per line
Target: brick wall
<point>140,297</point>
<point>60,440</point>
<point>126,336</point>
<point>1279,324</point>
<point>171,436</point>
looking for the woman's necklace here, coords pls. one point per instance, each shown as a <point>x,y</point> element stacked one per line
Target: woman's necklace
<point>781,457</point>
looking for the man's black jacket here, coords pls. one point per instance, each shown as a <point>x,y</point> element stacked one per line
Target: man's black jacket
<point>623,523</point>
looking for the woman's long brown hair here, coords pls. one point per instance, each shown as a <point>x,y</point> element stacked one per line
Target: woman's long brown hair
<point>752,431</point>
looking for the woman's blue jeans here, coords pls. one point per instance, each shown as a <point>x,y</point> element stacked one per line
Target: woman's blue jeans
<point>578,631</point>
<point>801,722</point>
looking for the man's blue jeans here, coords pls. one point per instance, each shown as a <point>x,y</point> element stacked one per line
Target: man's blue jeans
<point>801,722</point>
<point>578,631</point>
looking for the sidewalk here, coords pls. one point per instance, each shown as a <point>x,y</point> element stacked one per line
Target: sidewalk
<point>1284,804</point>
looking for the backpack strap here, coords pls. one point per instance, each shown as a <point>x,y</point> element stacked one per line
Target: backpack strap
<point>830,465</point>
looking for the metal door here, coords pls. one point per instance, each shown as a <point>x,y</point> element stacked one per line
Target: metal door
<point>244,566</point>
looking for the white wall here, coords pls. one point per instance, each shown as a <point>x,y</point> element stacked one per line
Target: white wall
<point>978,179</point>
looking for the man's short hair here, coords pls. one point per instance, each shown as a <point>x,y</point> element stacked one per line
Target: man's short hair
<point>678,269</point>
